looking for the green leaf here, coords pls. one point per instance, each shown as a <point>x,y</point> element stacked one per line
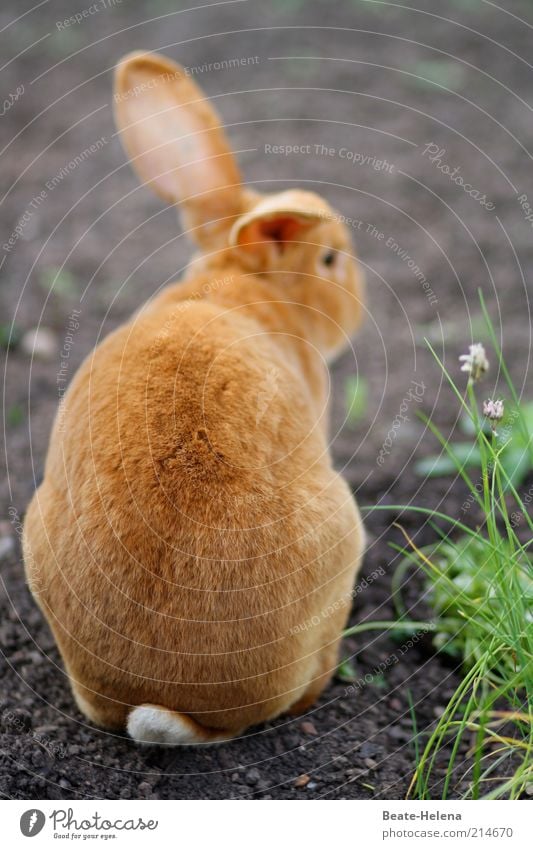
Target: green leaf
<point>439,466</point>
<point>438,73</point>
<point>468,427</point>
<point>517,464</point>
<point>515,456</point>
<point>527,414</point>
<point>452,331</point>
<point>60,280</point>
<point>379,681</point>
<point>15,415</point>
<point>356,398</point>
<point>9,336</point>
<point>346,671</point>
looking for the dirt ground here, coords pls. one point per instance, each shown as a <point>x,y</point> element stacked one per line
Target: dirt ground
<point>396,94</point>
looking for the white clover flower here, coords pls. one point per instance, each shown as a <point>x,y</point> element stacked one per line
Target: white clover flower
<point>475,362</point>
<point>493,410</point>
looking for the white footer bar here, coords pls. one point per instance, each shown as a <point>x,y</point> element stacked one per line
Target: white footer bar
<point>266,824</point>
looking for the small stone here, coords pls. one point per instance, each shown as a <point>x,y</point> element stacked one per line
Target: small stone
<point>253,776</point>
<point>40,342</point>
<point>529,790</point>
<point>235,777</point>
<point>17,720</point>
<point>397,733</point>
<point>302,780</point>
<point>46,730</point>
<point>438,711</point>
<point>308,727</point>
<point>7,545</point>
<point>144,788</point>
<point>34,658</point>
<point>37,758</point>
<point>370,763</point>
<point>66,785</point>
<point>367,750</point>
<point>395,704</point>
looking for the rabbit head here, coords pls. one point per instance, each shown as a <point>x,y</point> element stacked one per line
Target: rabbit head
<point>176,144</point>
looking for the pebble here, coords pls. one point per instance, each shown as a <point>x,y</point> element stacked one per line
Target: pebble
<point>367,750</point>
<point>144,788</point>
<point>40,342</point>
<point>7,545</point>
<point>46,729</point>
<point>354,774</point>
<point>18,720</point>
<point>34,657</point>
<point>397,733</point>
<point>302,780</point>
<point>253,776</point>
<point>37,758</point>
<point>308,727</point>
<point>370,763</point>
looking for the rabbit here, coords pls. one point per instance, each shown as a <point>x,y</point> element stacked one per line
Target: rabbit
<point>191,545</point>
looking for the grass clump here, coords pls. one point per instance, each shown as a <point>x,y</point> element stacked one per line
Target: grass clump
<point>479,582</point>
<point>480,585</point>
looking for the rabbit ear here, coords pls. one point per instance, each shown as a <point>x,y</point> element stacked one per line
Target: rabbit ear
<point>175,142</point>
<point>279,219</point>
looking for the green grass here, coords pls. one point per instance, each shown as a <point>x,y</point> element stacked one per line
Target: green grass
<point>15,415</point>
<point>438,74</point>
<point>61,281</point>
<point>10,336</point>
<point>479,582</point>
<point>355,399</point>
<point>516,455</point>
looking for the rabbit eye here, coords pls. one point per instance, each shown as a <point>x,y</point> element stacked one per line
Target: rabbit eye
<point>329,258</point>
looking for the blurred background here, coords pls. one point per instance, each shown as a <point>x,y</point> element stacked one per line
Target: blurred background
<point>419,122</point>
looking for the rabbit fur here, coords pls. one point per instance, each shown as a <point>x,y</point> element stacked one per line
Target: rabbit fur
<point>191,545</point>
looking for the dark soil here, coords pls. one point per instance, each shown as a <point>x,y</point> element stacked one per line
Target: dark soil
<point>120,244</point>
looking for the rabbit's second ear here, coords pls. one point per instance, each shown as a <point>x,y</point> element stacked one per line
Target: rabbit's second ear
<point>277,220</point>
<point>175,142</point>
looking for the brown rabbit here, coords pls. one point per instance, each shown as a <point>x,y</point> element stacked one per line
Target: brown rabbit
<point>191,546</point>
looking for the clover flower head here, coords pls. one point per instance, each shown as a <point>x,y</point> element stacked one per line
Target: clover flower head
<point>475,362</point>
<point>493,410</point>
